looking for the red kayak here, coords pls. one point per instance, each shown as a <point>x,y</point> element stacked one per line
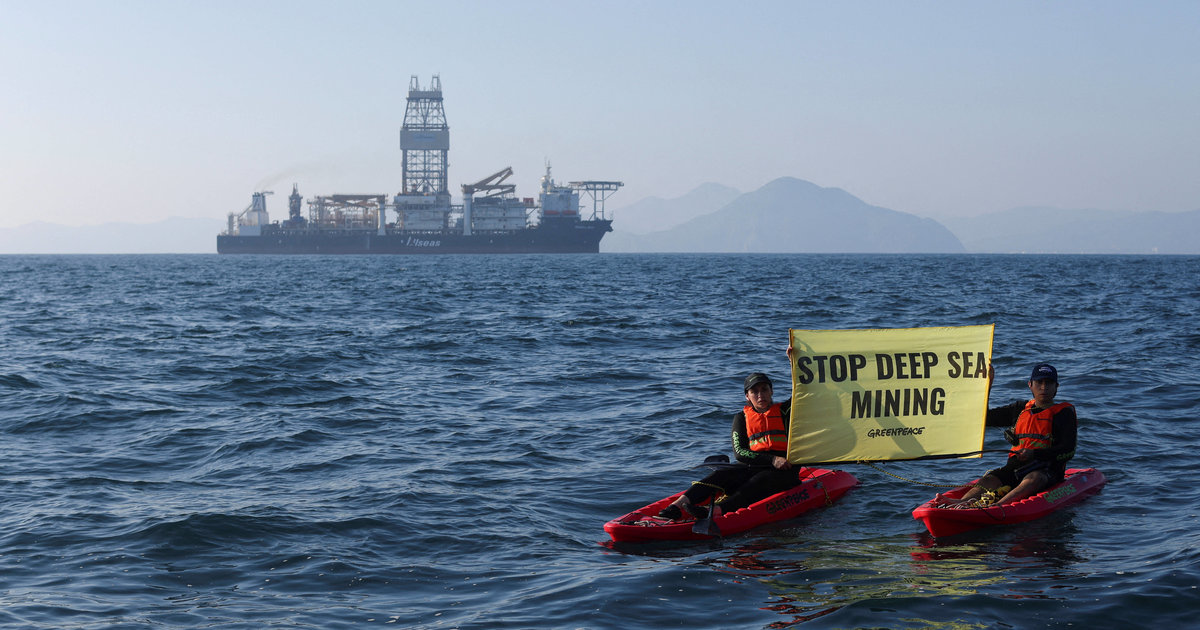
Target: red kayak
<point>819,487</point>
<point>1078,483</point>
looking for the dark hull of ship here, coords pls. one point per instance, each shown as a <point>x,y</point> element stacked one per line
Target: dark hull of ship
<point>575,237</point>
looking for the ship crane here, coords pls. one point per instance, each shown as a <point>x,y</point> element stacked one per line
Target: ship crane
<point>493,185</point>
<point>250,220</point>
<point>258,202</point>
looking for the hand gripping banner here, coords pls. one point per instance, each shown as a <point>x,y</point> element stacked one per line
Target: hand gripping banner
<point>888,394</point>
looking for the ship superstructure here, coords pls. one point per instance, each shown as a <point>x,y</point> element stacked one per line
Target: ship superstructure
<point>490,219</point>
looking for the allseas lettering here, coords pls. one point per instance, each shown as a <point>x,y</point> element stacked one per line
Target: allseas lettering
<point>894,403</point>
<point>791,500</point>
<point>421,242</point>
<point>1055,495</point>
<point>895,432</point>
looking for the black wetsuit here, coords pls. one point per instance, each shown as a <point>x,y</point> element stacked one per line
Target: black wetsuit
<point>758,480</point>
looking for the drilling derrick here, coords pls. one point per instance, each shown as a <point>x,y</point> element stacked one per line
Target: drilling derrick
<point>425,141</point>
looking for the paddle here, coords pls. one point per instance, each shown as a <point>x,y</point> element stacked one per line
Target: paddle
<point>720,462</point>
<point>707,525</point>
<point>727,464</point>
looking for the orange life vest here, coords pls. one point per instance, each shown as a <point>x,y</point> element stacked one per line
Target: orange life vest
<point>766,429</point>
<point>1035,430</point>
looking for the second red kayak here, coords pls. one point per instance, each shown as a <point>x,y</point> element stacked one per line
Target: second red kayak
<point>1078,483</point>
<point>818,487</point>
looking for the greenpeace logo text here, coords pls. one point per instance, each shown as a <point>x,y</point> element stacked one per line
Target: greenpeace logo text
<point>896,432</point>
<point>1055,495</point>
<point>795,498</point>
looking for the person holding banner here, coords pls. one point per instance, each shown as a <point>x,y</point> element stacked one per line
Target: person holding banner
<point>760,433</point>
<point>1043,438</point>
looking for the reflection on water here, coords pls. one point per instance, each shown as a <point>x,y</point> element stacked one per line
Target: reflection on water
<point>1047,545</point>
<point>809,579</point>
<point>821,575</point>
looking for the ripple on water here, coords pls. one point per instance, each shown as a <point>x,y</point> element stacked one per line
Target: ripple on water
<point>436,442</point>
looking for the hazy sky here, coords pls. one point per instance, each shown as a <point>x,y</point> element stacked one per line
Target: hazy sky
<point>142,110</point>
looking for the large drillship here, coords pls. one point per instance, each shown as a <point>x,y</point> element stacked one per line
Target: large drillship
<point>490,220</point>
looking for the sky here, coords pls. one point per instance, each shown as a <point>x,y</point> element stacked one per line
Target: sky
<point>141,110</point>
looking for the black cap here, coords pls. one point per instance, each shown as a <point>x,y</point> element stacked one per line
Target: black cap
<point>1044,372</point>
<point>754,379</point>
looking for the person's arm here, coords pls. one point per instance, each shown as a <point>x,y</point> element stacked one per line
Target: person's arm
<point>1004,416</point>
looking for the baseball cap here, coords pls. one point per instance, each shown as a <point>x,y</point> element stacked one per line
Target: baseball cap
<point>754,379</point>
<point>1044,372</point>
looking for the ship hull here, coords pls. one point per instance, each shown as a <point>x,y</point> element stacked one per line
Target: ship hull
<point>576,237</point>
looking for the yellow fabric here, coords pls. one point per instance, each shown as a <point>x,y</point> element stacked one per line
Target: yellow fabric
<point>888,394</point>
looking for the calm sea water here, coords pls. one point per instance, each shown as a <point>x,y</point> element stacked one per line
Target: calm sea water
<point>436,442</point>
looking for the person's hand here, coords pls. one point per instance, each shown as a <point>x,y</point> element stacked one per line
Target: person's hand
<point>791,351</point>
<point>991,376</point>
<point>781,463</point>
<point>1024,454</point>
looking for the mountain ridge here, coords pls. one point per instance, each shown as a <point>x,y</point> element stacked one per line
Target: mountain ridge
<point>654,214</point>
<point>791,215</point>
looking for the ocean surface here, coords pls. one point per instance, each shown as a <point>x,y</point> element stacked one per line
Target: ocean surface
<point>436,442</point>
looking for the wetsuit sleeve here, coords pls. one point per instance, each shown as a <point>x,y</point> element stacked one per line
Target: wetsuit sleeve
<point>741,444</point>
<point>1005,416</point>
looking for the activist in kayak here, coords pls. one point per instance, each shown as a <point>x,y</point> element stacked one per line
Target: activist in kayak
<point>1043,439</point>
<point>760,432</point>
<point>941,520</point>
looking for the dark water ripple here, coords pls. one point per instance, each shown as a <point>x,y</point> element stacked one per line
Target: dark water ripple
<point>435,442</point>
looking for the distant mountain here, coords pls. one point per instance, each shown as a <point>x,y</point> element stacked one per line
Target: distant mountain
<point>1037,230</point>
<point>654,214</point>
<point>172,236</point>
<point>790,215</point>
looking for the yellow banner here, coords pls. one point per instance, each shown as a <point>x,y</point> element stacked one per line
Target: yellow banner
<point>876,395</point>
